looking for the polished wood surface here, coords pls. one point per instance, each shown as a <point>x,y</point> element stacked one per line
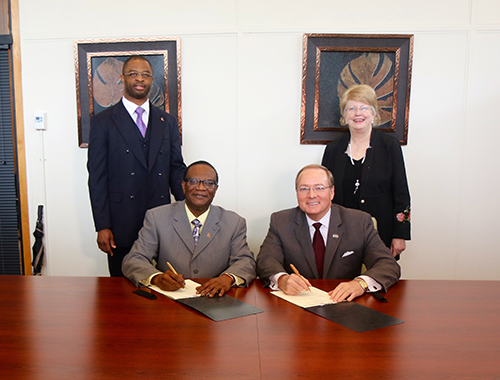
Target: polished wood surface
<point>96,328</point>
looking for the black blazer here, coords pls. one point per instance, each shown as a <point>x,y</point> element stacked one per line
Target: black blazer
<point>384,190</point>
<point>123,183</point>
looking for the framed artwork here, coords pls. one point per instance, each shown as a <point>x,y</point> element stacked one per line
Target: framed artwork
<point>334,62</point>
<point>98,66</point>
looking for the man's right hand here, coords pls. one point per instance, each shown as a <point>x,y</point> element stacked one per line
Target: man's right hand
<point>106,241</point>
<point>293,284</point>
<point>169,281</point>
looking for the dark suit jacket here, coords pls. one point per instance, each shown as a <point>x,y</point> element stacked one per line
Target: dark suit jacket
<point>123,183</point>
<point>384,189</point>
<point>352,241</point>
<point>167,236</point>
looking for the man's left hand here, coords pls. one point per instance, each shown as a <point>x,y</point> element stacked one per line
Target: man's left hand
<point>219,284</point>
<point>346,291</point>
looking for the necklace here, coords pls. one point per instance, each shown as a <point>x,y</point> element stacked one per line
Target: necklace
<point>350,154</point>
<point>357,184</point>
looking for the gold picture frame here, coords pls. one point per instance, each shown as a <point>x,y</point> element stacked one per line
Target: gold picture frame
<point>98,66</point>
<point>333,62</point>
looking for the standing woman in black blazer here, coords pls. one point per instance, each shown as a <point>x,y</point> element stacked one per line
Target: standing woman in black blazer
<point>369,169</point>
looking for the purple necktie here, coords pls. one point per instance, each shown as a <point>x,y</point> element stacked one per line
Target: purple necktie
<point>196,230</point>
<point>140,123</point>
<point>319,249</point>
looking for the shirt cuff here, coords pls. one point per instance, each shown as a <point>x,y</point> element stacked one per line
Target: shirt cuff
<point>147,281</point>
<point>373,286</point>
<point>238,281</point>
<point>273,280</point>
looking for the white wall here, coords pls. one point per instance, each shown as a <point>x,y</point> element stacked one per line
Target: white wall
<point>241,93</point>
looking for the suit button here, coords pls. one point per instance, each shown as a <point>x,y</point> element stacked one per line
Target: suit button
<point>161,151</point>
<point>362,201</point>
<point>132,173</point>
<point>127,151</point>
<point>159,174</point>
<point>162,197</point>
<point>132,197</point>
<point>195,271</point>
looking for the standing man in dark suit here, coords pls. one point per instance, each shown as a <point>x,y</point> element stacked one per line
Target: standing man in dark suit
<point>134,161</point>
<point>324,241</point>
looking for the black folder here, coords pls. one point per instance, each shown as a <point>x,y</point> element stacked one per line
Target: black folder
<point>354,316</point>
<point>220,308</point>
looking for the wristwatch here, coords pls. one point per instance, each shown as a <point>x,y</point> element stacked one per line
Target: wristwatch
<point>362,282</point>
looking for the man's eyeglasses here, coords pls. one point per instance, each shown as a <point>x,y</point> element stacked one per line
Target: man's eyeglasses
<point>208,183</point>
<point>135,74</point>
<point>316,189</point>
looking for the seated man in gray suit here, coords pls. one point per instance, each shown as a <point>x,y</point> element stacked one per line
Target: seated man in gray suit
<point>198,239</point>
<point>324,241</point>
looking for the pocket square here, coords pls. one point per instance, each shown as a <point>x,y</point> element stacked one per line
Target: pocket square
<point>348,253</point>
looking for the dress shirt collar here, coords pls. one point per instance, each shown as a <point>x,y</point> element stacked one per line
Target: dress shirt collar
<point>202,218</point>
<point>131,107</point>
<point>325,224</point>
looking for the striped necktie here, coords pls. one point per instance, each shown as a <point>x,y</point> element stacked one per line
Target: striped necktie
<point>196,230</point>
<point>140,123</point>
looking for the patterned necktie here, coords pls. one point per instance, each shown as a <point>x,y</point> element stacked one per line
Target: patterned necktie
<point>319,249</point>
<point>140,123</point>
<point>196,230</point>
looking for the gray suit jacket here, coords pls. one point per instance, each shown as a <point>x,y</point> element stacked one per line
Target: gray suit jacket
<point>352,241</point>
<point>166,236</point>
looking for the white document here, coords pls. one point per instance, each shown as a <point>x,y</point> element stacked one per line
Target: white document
<point>188,292</point>
<point>316,297</point>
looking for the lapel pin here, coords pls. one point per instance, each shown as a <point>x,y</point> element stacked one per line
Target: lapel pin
<point>335,236</point>
<point>208,235</point>
<point>161,118</point>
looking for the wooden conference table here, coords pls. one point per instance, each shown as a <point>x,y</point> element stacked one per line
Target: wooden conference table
<point>96,328</point>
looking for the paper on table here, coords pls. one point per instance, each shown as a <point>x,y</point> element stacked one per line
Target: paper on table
<point>188,292</point>
<point>316,297</point>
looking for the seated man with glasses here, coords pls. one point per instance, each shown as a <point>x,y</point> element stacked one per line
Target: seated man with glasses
<point>324,241</point>
<point>196,239</point>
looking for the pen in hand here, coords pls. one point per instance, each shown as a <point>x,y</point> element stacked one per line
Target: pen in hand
<point>298,274</point>
<point>175,272</point>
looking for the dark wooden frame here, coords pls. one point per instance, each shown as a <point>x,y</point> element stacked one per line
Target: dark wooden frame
<point>164,51</point>
<point>397,47</point>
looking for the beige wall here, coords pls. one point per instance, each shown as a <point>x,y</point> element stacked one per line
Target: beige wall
<point>241,93</point>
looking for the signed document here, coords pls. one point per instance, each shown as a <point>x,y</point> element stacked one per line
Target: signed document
<point>316,297</point>
<point>188,292</point>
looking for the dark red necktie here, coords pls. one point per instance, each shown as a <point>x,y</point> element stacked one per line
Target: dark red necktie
<point>319,248</point>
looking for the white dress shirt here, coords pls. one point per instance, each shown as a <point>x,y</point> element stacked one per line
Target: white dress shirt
<point>131,107</point>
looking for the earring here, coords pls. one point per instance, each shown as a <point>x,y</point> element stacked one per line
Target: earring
<point>372,121</point>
